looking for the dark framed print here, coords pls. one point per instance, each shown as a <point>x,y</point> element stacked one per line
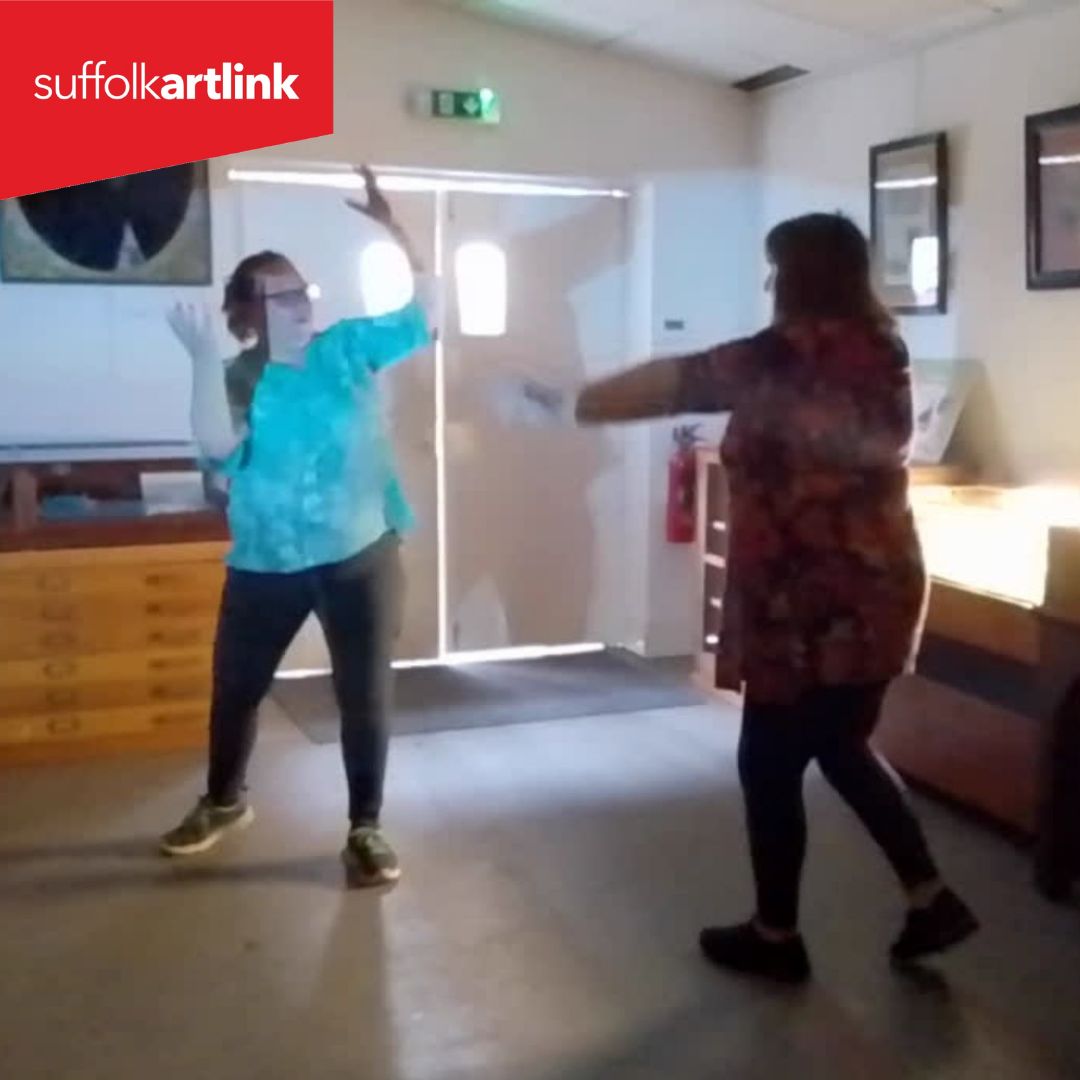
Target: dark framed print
<point>149,228</point>
<point>1052,149</point>
<point>909,223</point>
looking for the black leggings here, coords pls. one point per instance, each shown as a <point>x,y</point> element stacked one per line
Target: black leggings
<point>832,725</point>
<point>358,603</point>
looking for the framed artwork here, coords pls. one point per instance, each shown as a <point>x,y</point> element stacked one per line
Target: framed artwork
<point>151,228</point>
<point>940,389</point>
<point>1052,142</point>
<point>909,223</point>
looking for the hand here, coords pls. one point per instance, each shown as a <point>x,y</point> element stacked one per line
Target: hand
<point>526,403</point>
<point>194,328</point>
<point>549,399</point>
<point>379,210</point>
<point>375,205</point>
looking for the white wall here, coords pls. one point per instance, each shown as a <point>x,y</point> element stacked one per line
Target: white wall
<point>95,364</point>
<point>703,277</point>
<point>813,148</point>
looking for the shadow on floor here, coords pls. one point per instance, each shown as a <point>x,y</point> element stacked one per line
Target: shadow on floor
<point>146,869</point>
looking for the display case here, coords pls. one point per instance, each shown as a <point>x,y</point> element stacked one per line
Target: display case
<point>993,540</point>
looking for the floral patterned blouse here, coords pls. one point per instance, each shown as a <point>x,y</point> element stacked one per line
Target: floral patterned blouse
<point>826,583</point>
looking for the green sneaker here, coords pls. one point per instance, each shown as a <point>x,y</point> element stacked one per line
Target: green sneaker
<point>369,859</point>
<point>205,826</point>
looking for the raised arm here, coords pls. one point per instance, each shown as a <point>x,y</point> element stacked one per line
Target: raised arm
<point>211,419</point>
<point>702,382</point>
<point>376,207</point>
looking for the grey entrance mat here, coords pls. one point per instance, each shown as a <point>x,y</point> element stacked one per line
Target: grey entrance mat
<point>434,699</point>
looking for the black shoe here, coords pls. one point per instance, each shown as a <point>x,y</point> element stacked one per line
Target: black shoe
<point>369,859</point>
<point>945,922</point>
<point>743,949</point>
<point>205,827</point>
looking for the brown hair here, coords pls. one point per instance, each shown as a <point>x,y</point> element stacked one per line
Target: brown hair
<point>242,304</point>
<point>822,266</point>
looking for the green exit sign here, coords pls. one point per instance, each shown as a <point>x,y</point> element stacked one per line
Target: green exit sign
<point>476,106</point>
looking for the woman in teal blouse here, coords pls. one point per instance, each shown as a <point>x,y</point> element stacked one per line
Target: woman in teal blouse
<point>316,512</point>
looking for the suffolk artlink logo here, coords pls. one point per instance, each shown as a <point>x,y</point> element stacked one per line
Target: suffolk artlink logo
<point>91,89</point>
<point>228,82</point>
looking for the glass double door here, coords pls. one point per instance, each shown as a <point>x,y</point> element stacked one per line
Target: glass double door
<point>521,534</point>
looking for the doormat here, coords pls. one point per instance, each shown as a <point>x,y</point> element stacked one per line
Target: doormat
<point>432,699</point>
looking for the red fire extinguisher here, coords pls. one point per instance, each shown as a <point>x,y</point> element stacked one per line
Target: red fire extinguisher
<point>682,486</point>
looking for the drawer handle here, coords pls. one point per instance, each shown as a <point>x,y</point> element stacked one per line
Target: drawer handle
<point>174,719</point>
<point>59,669</point>
<point>156,580</point>
<point>57,613</point>
<point>59,640</point>
<point>54,583</point>
<point>62,697</point>
<point>169,693</point>
<point>63,725</point>
<point>160,637</point>
<point>174,663</point>
<point>175,608</point>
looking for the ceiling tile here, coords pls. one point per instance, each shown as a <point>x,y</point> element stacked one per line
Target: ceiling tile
<point>732,39</point>
<point>872,18</point>
<point>750,28</point>
<point>721,60</point>
<point>943,26</point>
<point>595,20</point>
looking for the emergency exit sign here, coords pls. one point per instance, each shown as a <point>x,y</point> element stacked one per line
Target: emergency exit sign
<point>475,106</point>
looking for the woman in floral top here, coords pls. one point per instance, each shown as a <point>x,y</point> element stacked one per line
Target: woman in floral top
<point>826,581</point>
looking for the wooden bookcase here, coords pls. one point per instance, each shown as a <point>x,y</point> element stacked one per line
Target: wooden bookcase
<point>712,549</point>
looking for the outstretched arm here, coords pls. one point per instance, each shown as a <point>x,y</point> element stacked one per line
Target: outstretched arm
<point>703,382</point>
<point>641,393</point>
<point>211,419</point>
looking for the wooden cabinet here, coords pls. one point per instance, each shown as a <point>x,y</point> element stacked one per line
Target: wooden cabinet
<point>712,549</point>
<point>106,648</point>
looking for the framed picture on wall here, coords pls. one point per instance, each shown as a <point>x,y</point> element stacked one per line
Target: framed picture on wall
<point>150,228</point>
<point>909,223</point>
<point>1053,199</point>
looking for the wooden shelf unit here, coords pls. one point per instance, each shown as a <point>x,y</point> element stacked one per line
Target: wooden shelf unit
<point>712,540</point>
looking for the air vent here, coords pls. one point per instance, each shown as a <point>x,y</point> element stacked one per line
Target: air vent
<point>773,77</point>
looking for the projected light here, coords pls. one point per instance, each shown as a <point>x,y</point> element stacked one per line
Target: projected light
<point>386,279</point>
<point>480,270</point>
<point>465,659</point>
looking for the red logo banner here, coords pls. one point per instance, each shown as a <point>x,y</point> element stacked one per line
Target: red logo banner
<point>91,89</point>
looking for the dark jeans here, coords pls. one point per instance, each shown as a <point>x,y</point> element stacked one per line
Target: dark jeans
<point>831,725</point>
<point>358,603</point>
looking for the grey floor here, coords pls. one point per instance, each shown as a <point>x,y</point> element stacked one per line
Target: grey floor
<point>557,875</point>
